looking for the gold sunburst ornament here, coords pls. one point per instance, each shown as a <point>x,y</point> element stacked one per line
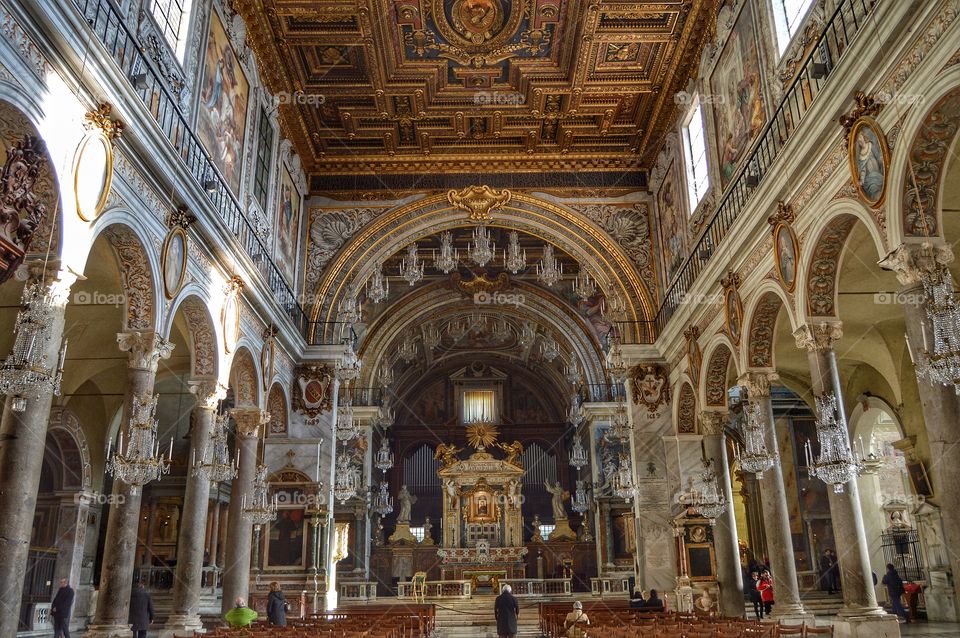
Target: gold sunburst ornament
<point>482,435</point>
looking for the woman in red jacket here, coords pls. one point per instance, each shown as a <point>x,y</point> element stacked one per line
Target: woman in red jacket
<point>765,587</point>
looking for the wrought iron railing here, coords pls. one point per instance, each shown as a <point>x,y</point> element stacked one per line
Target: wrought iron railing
<point>330,333</point>
<point>635,332</point>
<point>819,64</point>
<point>109,27</point>
<point>603,392</point>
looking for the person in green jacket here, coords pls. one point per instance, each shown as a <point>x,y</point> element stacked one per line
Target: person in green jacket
<point>241,615</point>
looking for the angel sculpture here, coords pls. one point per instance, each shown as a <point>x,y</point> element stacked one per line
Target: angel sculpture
<point>453,493</point>
<point>447,454</point>
<point>513,450</point>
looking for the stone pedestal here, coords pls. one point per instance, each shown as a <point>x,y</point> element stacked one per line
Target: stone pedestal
<point>402,534</point>
<point>940,596</point>
<point>872,626</point>
<point>562,531</point>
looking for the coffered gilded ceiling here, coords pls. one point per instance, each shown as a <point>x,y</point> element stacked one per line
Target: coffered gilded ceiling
<point>399,86</point>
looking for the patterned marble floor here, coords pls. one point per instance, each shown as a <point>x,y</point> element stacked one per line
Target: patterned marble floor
<point>931,630</point>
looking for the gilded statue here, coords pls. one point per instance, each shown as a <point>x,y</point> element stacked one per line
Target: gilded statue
<point>447,454</point>
<point>513,450</point>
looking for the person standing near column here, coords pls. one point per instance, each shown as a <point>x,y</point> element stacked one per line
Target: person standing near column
<point>62,609</point>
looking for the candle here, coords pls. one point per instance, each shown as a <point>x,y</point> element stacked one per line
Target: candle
<point>120,444</point>
<point>170,453</point>
<point>109,447</point>
<point>243,502</point>
<point>318,462</point>
<point>909,349</point>
<point>923,333</point>
<point>63,355</point>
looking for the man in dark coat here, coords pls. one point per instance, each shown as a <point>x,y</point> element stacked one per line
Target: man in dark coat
<point>506,610</point>
<point>62,609</point>
<point>141,611</point>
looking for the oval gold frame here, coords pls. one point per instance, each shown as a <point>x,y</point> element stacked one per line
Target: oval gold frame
<point>873,125</point>
<point>267,360</point>
<point>232,322</point>
<point>93,136</point>
<point>732,292</point>
<point>783,227</point>
<point>169,290</point>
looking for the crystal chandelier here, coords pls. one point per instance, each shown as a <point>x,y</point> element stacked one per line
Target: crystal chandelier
<point>616,365</point>
<point>622,482</point>
<point>385,376</point>
<point>408,348</point>
<point>576,414</point>
<point>578,454</point>
<point>27,373</point>
<point>613,306</point>
<point>384,460</point>
<point>346,424</point>
<point>215,464</point>
<point>458,329</point>
<point>754,458</point>
<point>411,268</point>
<point>572,371</point>
<point>347,482</point>
<point>348,311</point>
<point>385,416</point>
<point>378,286</point>
<point>527,334</point>
<point>481,249</point>
<point>549,348</point>
<point>431,336</point>
<point>348,365</point>
<point>260,509</point>
<point>578,503</point>
<point>501,330</point>
<point>619,431</point>
<point>140,462</point>
<point>707,499</point>
<point>549,270</point>
<point>448,258</point>
<point>836,464</point>
<point>583,286</point>
<point>383,502</point>
<point>943,364</point>
<point>514,259</point>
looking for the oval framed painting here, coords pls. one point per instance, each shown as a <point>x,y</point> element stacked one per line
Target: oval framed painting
<point>869,159</point>
<point>230,321</point>
<point>786,249</point>
<point>173,260</point>
<point>267,354</point>
<point>733,314</point>
<point>92,174</point>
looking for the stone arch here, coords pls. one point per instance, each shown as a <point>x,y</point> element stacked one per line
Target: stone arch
<point>686,409</point>
<point>761,318</point>
<point>245,378</point>
<point>204,357</point>
<point>719,355</point>
<point>277,407</point>
<point>72,449</point>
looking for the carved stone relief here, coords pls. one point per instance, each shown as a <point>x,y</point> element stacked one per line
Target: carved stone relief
<point>716,381</point>
<point>762,326</point>
<point>822,276</point>
<point>135,277</point>
<point>686,410</point>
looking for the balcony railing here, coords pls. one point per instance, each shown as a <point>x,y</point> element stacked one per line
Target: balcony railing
<point>847,20</point>
<point>110,29</point>
<point>603,393</point>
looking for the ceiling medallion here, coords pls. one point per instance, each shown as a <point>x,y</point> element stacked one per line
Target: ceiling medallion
<point>476,33</point>
<point>479,201</point>
<point>480,283</point>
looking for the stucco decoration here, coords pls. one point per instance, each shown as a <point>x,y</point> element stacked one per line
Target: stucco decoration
<point>686,410</point>
<point>762,330</point>
<point>716,380</point>
<point>202,337</point>
<point>277,407</point>
<point>135,277</point>
<point>630,227</point>
<point>243,379</point>
<point>822,275</point>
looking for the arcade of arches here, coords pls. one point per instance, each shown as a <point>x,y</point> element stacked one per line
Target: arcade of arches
<point>396,302</point>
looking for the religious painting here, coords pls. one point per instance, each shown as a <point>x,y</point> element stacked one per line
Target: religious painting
<point>733,314</point>
<point>481,504</point>
<point>869,159</point>
<point>672,223</point>
<point>786,251</point>
<point>919,479</point>
<point>222,116</point>
<point>287,226</point>
<point>268,357</point>
<point>736,95</point>
<point>230,320</point>
<point>173,260</point>
<point>286,540</point>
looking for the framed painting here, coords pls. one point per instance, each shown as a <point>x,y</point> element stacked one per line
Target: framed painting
<point>173,259</point>
<point>267,360</point>
<point>786,251</point>
<point>230,322</point>
<point>736,93</point>
<point>481,504</point>
<point>287,540</point>
<point>672,223</point>
<point>222,113</point>
<point>919,479</point>
<point>287,233</point>
<point>733,314</point>
<point>869,159</point>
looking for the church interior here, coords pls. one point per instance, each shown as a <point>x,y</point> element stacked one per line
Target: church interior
<point>388,318</point>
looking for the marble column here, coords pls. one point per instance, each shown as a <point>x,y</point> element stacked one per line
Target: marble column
<point>145,349</point>
<point>236,564</point>
<point>726,545</point>
<point>776,514</point>
<point>860,614</point>
<point>187,584</point>
<point>940,405</point>
<point>215,533</point>
<point>23,436</point>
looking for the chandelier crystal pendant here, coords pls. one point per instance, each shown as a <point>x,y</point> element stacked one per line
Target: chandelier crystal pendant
<point>578,454</point>
<point>449,256</point>
<point>583,285</point>
<point>613,307</point>
<point>707,499</point>
<point>215,464</point>
<point>385,375</point>
<point>346,423</point>
<point>139,461</point>
<point>348,365</point>
<point>620,427</point>
<point>385,416</point>
<point>616,364</point>
<point>576,414</point>
<point>501,330</point>
<point>549,270</point>
<point>836,465</point>
<point>754,457</point>
<point>622,482</point>
<point>514,259</point>
<point>528,334</point>
<point>384,459</point>
<point>382,501</point>
<point>347,482</point>
<point>27,373</point>
<point>481,249</point>
<point>260,509</point>
<point>943,364</point>
<point>572,371</point>
<point>408,348</point>
<point>549,348</point>
<point>378,286</point>
<point>578,503</point>
<point>411,268</point>
<point>431,336</point>
<point>348,311</point>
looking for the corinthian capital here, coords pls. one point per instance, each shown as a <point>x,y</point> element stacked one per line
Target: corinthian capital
<point>818,336</point>
<point>712,422</point>
<point>209,392</point>
<point>249,420</point>
<point>913,262</point>
<point>758,383</point>
<point>146,348</point>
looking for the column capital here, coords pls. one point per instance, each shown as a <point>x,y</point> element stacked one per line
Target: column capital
<point>818,336</point>
<point>712,422</point>
<point>912,262</point>
<point>249,420</point>
<point>209,392</point>
<point>146,348</point>
<point>758,382</point>
<point>56,282</point>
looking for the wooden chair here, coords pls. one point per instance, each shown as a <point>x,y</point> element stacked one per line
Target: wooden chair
<point>817,631</point>
<point>789,630</point>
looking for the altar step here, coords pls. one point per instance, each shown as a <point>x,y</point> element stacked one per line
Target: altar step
<point>474,619</point>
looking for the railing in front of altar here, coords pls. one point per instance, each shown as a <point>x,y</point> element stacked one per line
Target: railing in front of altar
<point>609,586</point>
<point>160,578</point>
<point>354,591</point>
<point>524,587</point>
<point>437,589</point>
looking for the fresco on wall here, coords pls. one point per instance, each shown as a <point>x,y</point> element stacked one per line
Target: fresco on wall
<point>222,116</point>
<point>736,95</point>
<point>287,228</point>
<point>672,223</point>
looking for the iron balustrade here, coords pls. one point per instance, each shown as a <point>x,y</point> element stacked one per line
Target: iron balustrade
<point>330,333</point>
<point>109,27</point>
<point>603,392</point>
<point>634,332</point>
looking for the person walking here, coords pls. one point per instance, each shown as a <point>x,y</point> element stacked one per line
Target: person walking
<point>765,587</point>
<point>895,590</point>
<point>825,572</point>
<point>276,606</point>
<point>575,621</point>
<point>61,609</point>
<point>141,611</point>
<point>507,612</point>
<point>835,584</point>
<point>754,594</point>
